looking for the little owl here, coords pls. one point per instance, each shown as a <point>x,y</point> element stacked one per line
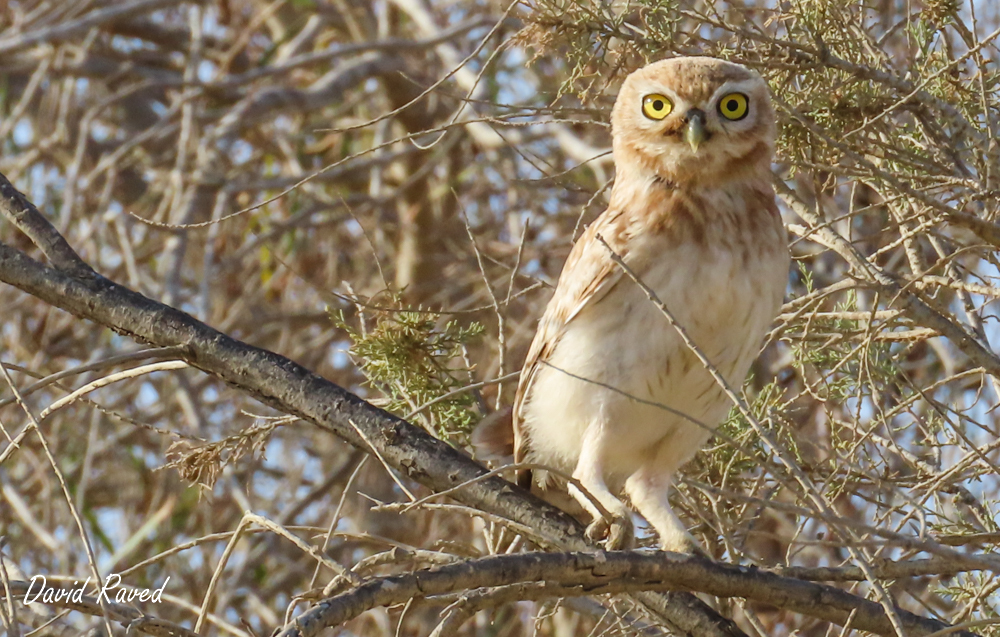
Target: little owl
<point>609,392</point>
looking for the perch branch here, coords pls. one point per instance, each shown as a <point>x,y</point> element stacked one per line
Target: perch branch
<point>569,574</point>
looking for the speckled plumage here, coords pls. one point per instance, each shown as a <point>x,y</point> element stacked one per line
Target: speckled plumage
<point>701,228</point>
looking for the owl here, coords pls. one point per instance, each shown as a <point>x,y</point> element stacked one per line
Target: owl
<point>609,393</point>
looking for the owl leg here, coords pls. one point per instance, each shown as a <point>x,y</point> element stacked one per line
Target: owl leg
<point>649,493</point>
<point>589,472</point>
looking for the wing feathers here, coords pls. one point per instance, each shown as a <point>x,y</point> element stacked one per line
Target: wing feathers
<point>587,277</point>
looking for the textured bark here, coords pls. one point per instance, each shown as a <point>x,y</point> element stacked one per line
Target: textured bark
<point>615,572</point>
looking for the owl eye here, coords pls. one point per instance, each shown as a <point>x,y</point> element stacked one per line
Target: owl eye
<point>734,106</point>
<point>656,106</point>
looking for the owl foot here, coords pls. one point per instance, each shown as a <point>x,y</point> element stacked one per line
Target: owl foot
<point>692,547</point>
<point>619,532</point>
<point>696,549</point>
<point>683,543</point>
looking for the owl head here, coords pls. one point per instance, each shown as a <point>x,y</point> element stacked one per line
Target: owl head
<point>693,119</point>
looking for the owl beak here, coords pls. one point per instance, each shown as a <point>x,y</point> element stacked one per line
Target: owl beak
<point>695,133</point>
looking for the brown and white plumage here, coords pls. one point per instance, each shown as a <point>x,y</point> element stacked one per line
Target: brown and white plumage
<point>692,213</point>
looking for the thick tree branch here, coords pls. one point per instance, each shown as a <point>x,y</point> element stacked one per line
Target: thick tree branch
<point>23,214</point>
<point>613,572</point>
<point>937,566</point>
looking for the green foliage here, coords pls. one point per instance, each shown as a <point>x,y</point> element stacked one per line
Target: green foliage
<point>739,449</point>
<point>418,364</point>
<point>597,38</point>
<point>970,590</point>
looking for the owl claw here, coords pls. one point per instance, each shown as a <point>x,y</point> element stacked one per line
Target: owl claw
<point>621,536</point>
<point>619,532</point>
<point>691,547</point>
<point>698,551</point>
<point>684,544</point>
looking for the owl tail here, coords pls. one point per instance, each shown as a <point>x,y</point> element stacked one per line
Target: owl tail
<point>493,437</point>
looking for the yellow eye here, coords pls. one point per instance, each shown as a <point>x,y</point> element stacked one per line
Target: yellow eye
<point>734,106</point>
<point>656,106</point>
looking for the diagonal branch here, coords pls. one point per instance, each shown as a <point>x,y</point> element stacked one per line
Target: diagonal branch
<point>23,214</point>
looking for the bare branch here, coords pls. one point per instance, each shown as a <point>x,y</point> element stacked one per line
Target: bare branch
<point>599,573</point>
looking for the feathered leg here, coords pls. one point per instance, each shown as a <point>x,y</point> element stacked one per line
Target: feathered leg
<point>589,472</point>
<point>649,490</point>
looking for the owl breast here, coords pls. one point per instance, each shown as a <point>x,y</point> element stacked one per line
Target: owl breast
<point>619,363</point>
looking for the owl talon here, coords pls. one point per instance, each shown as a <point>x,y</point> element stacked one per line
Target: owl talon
<point>621,535</point>
<point>683,543</point>
<point>618,534</point>
<point>697,550</point>
<point>691,547</point>
<point>597,530</point>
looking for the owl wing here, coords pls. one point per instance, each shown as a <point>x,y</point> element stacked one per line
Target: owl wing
<point>587,277</point>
